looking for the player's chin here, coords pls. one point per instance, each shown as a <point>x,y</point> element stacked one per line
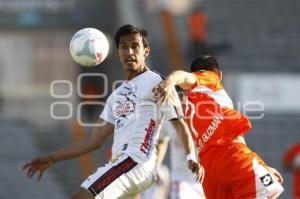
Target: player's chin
<point>132,67</point>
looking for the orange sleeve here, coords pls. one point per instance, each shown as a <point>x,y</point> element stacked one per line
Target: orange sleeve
<point>209,79</point>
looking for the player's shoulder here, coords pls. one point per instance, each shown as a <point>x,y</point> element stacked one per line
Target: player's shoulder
<point>117,89</point>
<point>155,75</point>
<point>208,79</point>
<point>158,74</point>
<point>151,77</point>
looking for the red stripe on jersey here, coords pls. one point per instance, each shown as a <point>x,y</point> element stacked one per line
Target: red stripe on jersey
<point>111,175</point>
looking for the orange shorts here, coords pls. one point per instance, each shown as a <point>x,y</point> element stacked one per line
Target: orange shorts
<point>233,171</point>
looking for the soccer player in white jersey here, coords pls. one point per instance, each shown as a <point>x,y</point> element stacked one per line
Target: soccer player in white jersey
<point>133,118</point>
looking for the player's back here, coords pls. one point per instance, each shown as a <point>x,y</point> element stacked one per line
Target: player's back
<point>210,112</point>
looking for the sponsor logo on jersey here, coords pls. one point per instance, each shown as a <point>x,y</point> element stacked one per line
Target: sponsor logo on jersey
<point>266,180</point>
<point>148,137</point>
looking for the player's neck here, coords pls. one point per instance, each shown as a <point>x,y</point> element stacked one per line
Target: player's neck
<point>130,74</point>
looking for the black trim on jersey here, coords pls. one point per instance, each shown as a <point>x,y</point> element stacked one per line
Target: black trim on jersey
<point>111,175</point>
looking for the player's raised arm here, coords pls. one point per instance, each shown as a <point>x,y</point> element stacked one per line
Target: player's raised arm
<point>41,163</point>
<point>184,80</point>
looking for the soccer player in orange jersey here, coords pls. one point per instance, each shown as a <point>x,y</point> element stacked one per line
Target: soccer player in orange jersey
<point>232,170</point>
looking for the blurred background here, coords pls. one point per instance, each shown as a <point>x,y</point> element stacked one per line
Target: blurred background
<point>257,43</point>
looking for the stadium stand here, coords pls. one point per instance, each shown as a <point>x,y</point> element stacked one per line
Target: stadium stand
<point>264,34</point>
<point>17,145</point>
<point>264,37</point>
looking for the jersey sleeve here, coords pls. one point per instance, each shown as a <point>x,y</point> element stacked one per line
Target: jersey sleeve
<point>209,79</point>
<point>205,78</point>
<point>107,113</point>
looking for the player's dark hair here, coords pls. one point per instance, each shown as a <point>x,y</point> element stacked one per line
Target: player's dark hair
<point>129,29</point>
<point>206,63</point>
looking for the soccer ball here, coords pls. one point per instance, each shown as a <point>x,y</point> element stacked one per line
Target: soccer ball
<point>89,47</point>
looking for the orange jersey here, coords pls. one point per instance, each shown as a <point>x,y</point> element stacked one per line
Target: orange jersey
<point>288,159</point>
<point>210,113</point>
<point>233,171</point>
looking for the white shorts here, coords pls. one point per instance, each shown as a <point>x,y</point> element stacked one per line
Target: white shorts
<point>266,184</point>
<point>184,189</point>
<point>121,177</point>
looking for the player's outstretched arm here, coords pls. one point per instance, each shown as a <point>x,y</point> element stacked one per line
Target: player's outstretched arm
<point>40,164</point>
<point>162,147</point>
<point>184,134</point>
<point>184,80</point>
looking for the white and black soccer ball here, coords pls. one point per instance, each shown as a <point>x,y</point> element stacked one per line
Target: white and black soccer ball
<point>89,47</point>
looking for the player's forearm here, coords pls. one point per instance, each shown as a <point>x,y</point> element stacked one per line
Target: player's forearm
<point>185,137</point>
<point>181,78</point>
<point>187,142</point>
<point>73,150</point>
<point>162,147</point>
<point>100,134</point>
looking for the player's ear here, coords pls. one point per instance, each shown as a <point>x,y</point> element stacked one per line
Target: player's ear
<point>147,52</point>
<point>220,74</point>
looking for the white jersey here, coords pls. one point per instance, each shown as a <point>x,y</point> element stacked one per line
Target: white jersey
<point>136,118</point>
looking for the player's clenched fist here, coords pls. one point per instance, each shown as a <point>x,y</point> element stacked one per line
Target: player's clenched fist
<point>193,166</point>
<point>197,170</point>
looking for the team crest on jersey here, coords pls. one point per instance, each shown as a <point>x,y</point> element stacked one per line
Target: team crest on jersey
<point>125,105</point>
<point>124,108</point>
<point>266,180</point>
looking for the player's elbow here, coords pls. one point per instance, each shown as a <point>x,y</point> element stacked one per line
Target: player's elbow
<point>97,144</point>
<point>94,143</point>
